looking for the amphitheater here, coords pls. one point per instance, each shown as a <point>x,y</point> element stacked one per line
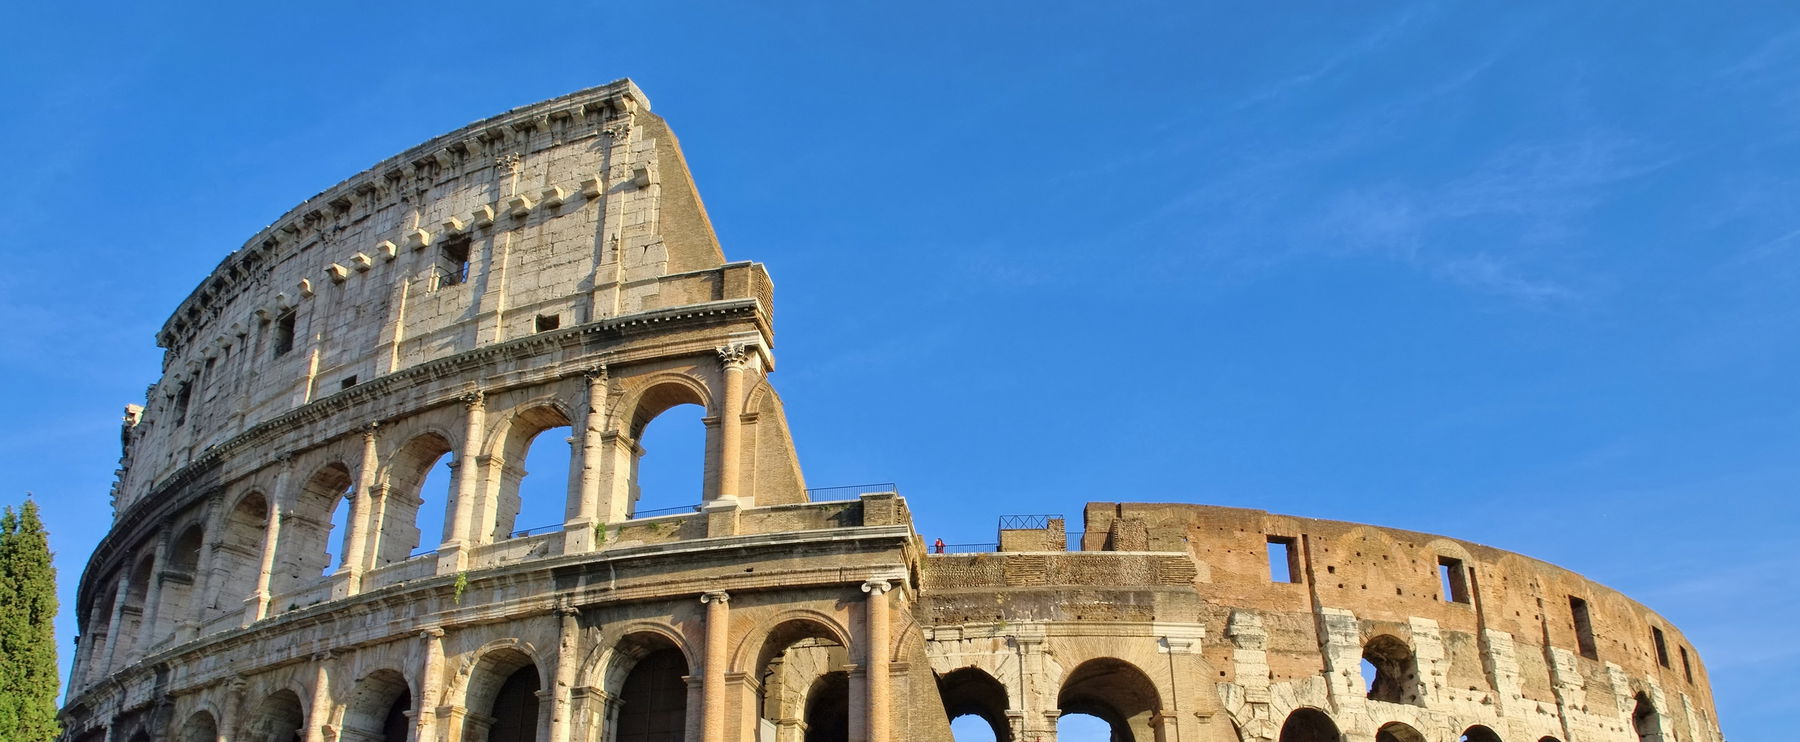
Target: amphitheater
<point>552,268</point>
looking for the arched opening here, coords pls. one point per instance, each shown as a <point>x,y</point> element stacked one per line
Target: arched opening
<point>1394,731</point>
<point>972,694</point>
<point>312,540</point>
<point>1396,671</point>
<point>673,451</point>
<point>1309,725</point>
<point>791,668</point>
<point>1479,733</point>
<point>653,693</point>
<point>828,708</point>
<point>1079,727</point>
<point>971,728</point>
<point>377,710</point>
<point>180,579</point>
<point>279,718</point>
<point>670,468</point>
<point>502,698</point>
<point>1548,739</point>
<point>131,629</point>
<point>200,727</point>
<point>94,640</point>
<point>1646,721</point>
<point>418,489</point>
<point>530,504</point>
<point>1116,692</point>
<point>239,557</point>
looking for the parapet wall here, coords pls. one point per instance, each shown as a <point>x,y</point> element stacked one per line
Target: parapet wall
<point>1460,635</point>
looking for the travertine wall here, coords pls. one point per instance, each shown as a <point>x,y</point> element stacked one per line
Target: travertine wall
<point>330,363</point>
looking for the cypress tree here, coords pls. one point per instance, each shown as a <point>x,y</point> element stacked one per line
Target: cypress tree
<point>28,674</point>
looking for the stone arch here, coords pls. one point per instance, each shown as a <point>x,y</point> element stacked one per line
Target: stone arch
<point>827,708</point>
<point>651,395</point>
<point>606,664</point>
<point>237,555</point>
<point>1396,677</point>
<point>279,717</point>
<point>200,726</point>
<point>403,476</point>
<point>1646,719</point>
<point>304,546</point>
<point>510,444</point>
<point>792,653</point>
<point>97,633</point>
<point>646,679</point>
<point>654,397</point>
<point>499,687</point>
<point>1115,691</point>
<point>755,643</point>
<point>1308,724</point>
<point>131,631</point>
<point>971,691</point>
<point>377,709</point>
<point>1395,731</point>
<point>180,581</point>
<point>1479,733</point>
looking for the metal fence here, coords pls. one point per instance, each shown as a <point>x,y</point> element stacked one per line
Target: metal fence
<point>849,491</point>
<point>1027,522</point>
<point>535,530</point>
<point>635,514</point>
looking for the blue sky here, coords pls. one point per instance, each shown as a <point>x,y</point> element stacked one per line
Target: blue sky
<point>1521,273</point>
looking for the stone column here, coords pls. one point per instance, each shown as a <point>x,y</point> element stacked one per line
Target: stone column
<point>257,605</point>
<point>712,677</point>
<point>430,683</point>
<point>152,596</point>
<point>568,654</point>
<point>320,713</point>
<point>876,667</point>
<point>228,711</point>
<point>454,554</point>
<point>205,589</point>
<point>114,631</point>
<point>732,359</point>
<point>584,515</point>
<point>356,542</point>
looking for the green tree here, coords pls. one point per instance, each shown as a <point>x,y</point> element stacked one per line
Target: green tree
<point>28,674</point>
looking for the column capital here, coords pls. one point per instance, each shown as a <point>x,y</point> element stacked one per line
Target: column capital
<point>597,373</point>
<point>435,632</point>
<point>715,596</point>
<point>472,399</point>
<point>733,355</point>
<point>369,428</point>
<point>877,586</point>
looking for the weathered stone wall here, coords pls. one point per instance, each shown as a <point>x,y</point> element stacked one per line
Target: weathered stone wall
<point>595,297</point>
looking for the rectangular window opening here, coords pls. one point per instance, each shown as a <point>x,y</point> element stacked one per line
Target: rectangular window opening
<point>349,381</point>
<point>1662,647</point>
<point>1455,579</point>
<point>1687,669</point>
<point>1284,559</point>
<point>182,395</point>
<point>453,262</point>
<point>548,322</point>
<point>1584,628</point>
<point>284,334</point>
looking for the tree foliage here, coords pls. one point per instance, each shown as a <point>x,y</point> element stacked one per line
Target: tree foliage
<point>28,674</point>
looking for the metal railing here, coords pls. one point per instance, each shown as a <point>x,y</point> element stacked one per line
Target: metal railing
<point>1027,522</point>
<point>848,491</point>
<point>653,512</point>
<point>963,548</point>
<point>535,530</point>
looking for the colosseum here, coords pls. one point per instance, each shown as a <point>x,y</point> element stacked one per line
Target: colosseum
<point>552,268</point>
